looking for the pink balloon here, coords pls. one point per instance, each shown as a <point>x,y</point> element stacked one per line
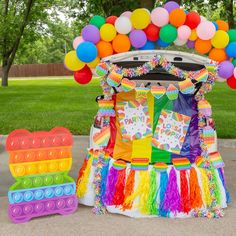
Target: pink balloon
<point>235,72</point>
<point>126,14</point>
<point>160,16</point>
<point>184,32</point>
<point>179,42</point>
<point>206,30</point>
<point>77,41</point>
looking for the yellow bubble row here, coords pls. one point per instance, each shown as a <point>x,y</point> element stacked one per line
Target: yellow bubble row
<point>40,167</point>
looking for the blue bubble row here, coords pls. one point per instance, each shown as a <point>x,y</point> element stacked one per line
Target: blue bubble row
<point>32,194</point>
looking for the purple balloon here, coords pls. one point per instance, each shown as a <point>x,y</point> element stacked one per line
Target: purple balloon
<point>170,6</point>
<point>191,44</point>
<point>138,38</point>
<point>226,69</point>
<point>91,33</point>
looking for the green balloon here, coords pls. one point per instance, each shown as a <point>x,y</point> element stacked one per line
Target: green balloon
<point>234,62</point>
<point>232,35</point>
<point>98,21</point>
<point>168,33</point>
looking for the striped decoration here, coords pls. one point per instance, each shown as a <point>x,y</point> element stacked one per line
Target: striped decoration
<point>186,86</point>
<point>114,79</point>
<point>119,165</point>
<point>160,166</point>
<point>139,163</point>
<point>172,92</point>
<point>216,160</point>
<point>181,163</point>
<point>199,162</point>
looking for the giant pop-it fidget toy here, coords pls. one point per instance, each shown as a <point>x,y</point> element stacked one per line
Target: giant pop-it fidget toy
<point>40,163</point>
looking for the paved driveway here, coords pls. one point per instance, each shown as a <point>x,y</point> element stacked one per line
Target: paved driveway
<point>83,222</point>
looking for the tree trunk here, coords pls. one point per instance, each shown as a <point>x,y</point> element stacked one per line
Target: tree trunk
<point>8,57</point>
<point>230,13</point>
<point>5,72</point>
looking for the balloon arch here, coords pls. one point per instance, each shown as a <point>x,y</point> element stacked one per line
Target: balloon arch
<point>144,30</point>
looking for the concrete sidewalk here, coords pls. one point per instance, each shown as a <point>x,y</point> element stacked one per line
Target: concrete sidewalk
<point>83,222</point>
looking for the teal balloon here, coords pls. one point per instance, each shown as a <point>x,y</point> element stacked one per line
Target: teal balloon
<point>232,35</point>
<point>234,62</point>
<point>98,21</point>
<point>168,33</point>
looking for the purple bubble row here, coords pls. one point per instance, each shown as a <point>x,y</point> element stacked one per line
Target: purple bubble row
<point>23,212</point>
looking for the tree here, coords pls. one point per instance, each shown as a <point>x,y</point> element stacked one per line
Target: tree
<point>11,33</point>
<point>21,19</point>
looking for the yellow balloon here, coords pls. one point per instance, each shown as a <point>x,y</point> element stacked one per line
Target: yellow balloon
<point>94,63</point>
<point>193,35</point>
<point>140,18</point>
<point>108,32</point>
<point>220,39</point>
<point>72,62</point>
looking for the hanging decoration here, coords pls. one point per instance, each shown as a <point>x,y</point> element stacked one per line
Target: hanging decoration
<point>114,76</point>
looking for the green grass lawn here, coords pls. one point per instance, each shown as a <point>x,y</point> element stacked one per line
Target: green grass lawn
<point>45,103</point>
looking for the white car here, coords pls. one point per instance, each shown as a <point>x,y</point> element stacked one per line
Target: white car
<point>183,60</point>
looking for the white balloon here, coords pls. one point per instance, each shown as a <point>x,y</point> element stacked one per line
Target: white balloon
<point>235,72</point>
<point>123,25</point>
<point>179,42</point>
<point>203,18</point>
<point>221,80</point>
<point>77,41</point>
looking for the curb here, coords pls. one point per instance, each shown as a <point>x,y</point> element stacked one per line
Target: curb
<point>222,143</point>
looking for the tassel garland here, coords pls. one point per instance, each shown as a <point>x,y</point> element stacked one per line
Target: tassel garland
<point>222,177</point>
<point>119,196</point>
<point>110,188</point>
<point>152,203</point>
<point>185,198</point>
<point>162,190</point>
<point>129,190</point>
<point>195,191</point>
<point>83,181</point>
<point>172,197</point>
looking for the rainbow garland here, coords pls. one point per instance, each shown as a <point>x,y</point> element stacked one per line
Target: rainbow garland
<point>112,76</point>
<point>199,76</point>
<point>215,211</point>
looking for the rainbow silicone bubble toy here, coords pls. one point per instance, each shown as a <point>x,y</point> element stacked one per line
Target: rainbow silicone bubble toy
<point>40,163</point>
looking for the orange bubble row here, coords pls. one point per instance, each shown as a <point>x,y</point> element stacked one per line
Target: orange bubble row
<point>39,155</point>
<point>33,168</point>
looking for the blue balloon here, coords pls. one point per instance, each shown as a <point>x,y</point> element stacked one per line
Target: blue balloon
<point>86,52</point>
<point>148,46</point>
<point>162,44</point>
<point>215,24</point>
<point>231,50</point>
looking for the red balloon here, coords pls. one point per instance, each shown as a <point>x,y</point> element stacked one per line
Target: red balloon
<point>152,32</point>
<point>192,20</point>
<point>111,20</point>
<point>83,76</point>
<point>232,82</point>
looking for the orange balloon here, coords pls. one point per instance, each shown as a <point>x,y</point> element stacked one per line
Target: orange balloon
<point>104,49</point>
<point>222,25</point>
<point>217,54</point>
<point>177,17</point>
<point>121,43</point>
<point>203,46</point>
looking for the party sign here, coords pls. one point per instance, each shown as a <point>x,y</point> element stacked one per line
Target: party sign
<point>134,120</point>
<point>170,132</point>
